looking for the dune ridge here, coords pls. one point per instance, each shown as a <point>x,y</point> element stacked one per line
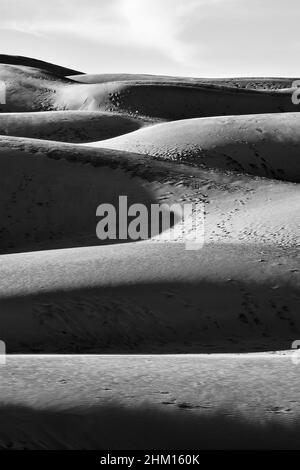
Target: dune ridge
<point>253,144</point>
<point>258,83</point>
<point>41,177</point>
<point>36,63</point>
<point>37,89</point>
<point>241,164</point>
<point>172,100</point>
<point>68,126</point>
<point>249,261</point>
<point>100,300</point>
<point>145,344</point>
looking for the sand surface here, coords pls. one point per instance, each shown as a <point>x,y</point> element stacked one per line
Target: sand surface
<point>69,142</point>
<point>197,402</point>
<point>252,144</point>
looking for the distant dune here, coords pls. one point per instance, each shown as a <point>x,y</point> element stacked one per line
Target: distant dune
<point>28,88</point>
<point>39,64</point>
<point>244,82</point>
<point>35,89</point>
<point>171,100</point>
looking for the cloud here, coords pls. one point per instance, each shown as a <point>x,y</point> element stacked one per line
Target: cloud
<point>188,37</point>
<point>152,24</point>
<point>96,19</point>
<point>158,24</point>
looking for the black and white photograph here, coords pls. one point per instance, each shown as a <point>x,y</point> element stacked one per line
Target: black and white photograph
<point>149,230</point>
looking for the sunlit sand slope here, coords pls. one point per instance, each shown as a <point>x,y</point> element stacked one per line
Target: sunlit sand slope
<point>28,88</point>
<point>265,145</point>
<point>51,190</point>
<point>150,298</point>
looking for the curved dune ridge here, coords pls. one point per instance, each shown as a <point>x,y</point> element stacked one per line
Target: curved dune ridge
<point>263,145</point>
<point>47,183</point>
<point>171,100</point>
<point>37,89</point>
<point>240,292</point>
<point>68,126</point>
<point>147,298</point>
<point>29,88</point>
<point>241,82</point>
<point>38,64</point>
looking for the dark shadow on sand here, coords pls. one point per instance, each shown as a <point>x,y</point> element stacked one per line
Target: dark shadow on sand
<point>116,427</point>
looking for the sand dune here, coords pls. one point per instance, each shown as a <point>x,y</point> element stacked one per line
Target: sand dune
<point>68,126</point>
<point>35,89</point>
<point>39,64</point>
<point>150,298</point>
<point>171,100</point>
<point>28,88</point>
<point>263,145</point>
<point>244,82</point>
<point>43,179</point>
<point>68,144</point>
<point>240,292</point>
<point>50,192</point>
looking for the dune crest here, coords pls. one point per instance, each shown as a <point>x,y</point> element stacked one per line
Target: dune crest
<point>33,88</point>
<point>38,64</point>
<point>263,145</point>
<point>68,126</point>
<point>154,139</point>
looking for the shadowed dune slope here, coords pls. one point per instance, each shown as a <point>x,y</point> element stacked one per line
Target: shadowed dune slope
<point>41,180</point>
<point>150,298</point>
<point>182,401</point>
<point>68,126</point>
<point>114,426</point>
<point>49,193</point>
<point>171,101</point>
<point>264,145</point>
<point>39,64</point>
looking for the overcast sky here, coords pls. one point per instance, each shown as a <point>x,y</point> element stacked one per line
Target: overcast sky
<point>175,37</point>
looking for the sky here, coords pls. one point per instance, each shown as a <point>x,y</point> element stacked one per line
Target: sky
<point>204,38</point>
